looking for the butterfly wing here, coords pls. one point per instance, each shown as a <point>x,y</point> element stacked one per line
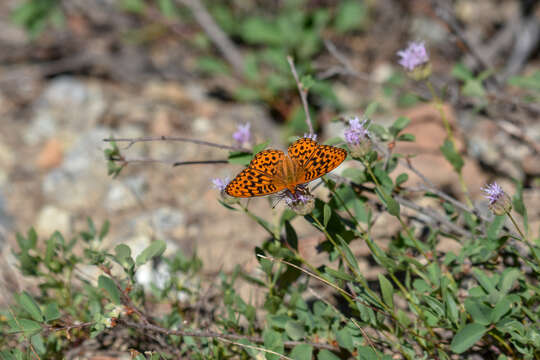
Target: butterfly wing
<point>315,159</point>
<point>259,178</point>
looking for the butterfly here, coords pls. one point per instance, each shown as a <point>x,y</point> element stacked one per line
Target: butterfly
<point>272,171</point>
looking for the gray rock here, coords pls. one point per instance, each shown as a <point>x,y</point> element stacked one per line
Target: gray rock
<point>125,194</point>
<point>82,180</point>
<point>67,105</point>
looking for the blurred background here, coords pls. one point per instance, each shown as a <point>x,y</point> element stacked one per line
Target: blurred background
<point>73,72</point>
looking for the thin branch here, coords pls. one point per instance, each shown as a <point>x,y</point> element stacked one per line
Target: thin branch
<point>216,35</point>
<point>200,162</point>
<point>212,334</point>
<point>303,94</point>
<point>132,141</point>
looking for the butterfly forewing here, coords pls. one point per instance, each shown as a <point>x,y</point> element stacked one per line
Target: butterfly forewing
<point>259,177</point>
<point>324,159</point>
<point>302,150</point>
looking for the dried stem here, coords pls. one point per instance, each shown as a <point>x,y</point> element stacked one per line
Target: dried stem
<point>303,94</point>
<point>216,35</point>
<point>132,141</point>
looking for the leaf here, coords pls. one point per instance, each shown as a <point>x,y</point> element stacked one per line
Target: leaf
<point>51,312</point>
<point>348,253</point>
<point>467,337</point>
<point>452,156</point>
<point>406,137</point>
<point>387,291</point>
<point>371,108</point>
<point>25,325</point>
<point>108,285</point>
<point>401,179</point>
<point>502,307</point>
<point>327,213</point>
<point>508,277</point>
<point>327,355</point>
<point>30,306</point>
<point>302,352</point>
<point>519,205</point>
<point>240,158</point>
<point>401,123</point>
<point>480,313</point>
<point>273,341</point>
<point>345,339</point>
<point>351,15</point>
<point>256,30</point>
<point>295,330</point>
<point>391,204</point>
<point>290,235</point>
<point>156,248</point>
<point>260,147</point>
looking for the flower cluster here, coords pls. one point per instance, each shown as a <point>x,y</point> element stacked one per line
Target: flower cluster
<point>220,184</point>
<point>242,136</point>
<point>413,56</point>
<point>311,136</point>
<point>499,201</point>
<point>415,60</point>
<point>358,137</point>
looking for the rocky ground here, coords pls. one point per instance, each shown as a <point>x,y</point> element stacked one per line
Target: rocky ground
<point>53,173</point>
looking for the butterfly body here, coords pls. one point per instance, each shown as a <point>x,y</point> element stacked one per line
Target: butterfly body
<point>272,171</point>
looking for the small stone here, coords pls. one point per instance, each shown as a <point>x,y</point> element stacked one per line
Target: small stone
<point>51,219</point>
<point>123,195</point>
<point>50,155</point>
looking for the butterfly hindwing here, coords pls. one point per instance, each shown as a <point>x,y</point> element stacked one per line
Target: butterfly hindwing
<point>259,177</point>
<point>324,159</point>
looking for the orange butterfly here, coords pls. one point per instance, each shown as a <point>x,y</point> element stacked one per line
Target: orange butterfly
<point>271,171</point>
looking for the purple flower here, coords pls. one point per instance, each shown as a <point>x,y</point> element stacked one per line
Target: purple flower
<point>413,56</point>
<point>493,192</point>
<point>499,202</point>
<point>220,184</point>
<point>243,135</point>
<point>356,132</point>
<point>311,136</point>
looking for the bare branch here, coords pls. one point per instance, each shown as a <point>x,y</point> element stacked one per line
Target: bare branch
<point>132,141</point>
<point>303,94</point>
<point>218,37</point>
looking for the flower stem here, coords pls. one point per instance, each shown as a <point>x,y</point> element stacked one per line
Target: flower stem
<point>523,237</point>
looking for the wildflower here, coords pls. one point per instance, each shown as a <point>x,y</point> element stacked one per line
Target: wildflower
<point>311,136</point>
<point>499,201</point>
<point>243,134</point>
<point>415,60</point>
<point>357,137</point>
<point>220,184</point>
<point>301,202</point>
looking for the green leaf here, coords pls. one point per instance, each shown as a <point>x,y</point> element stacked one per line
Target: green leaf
<point>155,249</point>
<point>508,278</point>
<point>480,313</point>
<point>351,15</point>
<point>260,147</point>
<point>256,30</point>
<point>327,213</point>
<point>519,205</point>
<point>401,123</point>
<point>273,341</point>
<point>467,337</point>
<point>503,306</point>
<point>391,204</point>
<point>38,344</point>
<point>212,65</point>
<point>452,156</point>
<point>295,330</point>
<point>387,291</point>
<point>25,325</point>
<point>402,178</point>
<point>370,109</point>
<point>240,158</point>
<point>104,229</point>
<point>290,235</point>
<point>167,7</point>
<point>29,305</point>
<point>345,339</point>
<point>527,82</point>
<point>302,352</point>
<point>108,285</point>
<point>348,253</point>
<point>327,355</point>
<point>406,137</point>
<point>51,312</point>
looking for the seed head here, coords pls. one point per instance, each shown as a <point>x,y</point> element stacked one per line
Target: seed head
<point>499,202</point>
